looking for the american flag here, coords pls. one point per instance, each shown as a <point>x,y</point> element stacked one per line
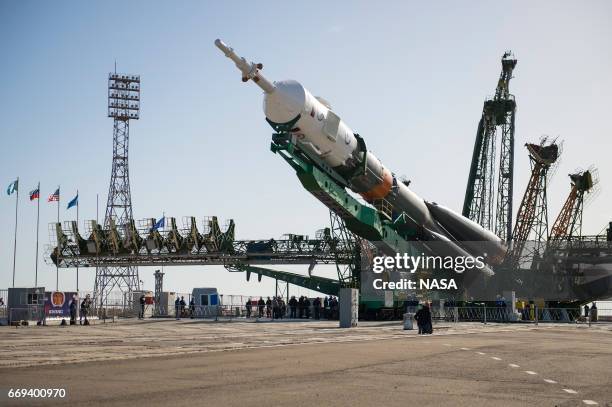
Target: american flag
<point>54,196</point>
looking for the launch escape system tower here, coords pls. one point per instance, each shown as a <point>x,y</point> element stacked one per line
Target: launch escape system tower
<point>123,106</point>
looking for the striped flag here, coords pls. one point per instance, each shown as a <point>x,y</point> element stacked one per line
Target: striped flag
<point>54,197</point>
<point>35,194</point>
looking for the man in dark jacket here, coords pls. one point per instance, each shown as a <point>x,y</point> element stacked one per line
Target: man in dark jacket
<point>326,307</point>
<point>301,307</point>
<point>192,308</point>
<point>142,306</point>
<point>293,306</point>
<point>269,308</point>
<point>261,304</point>
<point>316,304</point>
<point>423,317</point>
<point>248,308</point>
<point>307,307</point>
<point>183,305</point>
<point>73,310</point>
<point>85,306</point>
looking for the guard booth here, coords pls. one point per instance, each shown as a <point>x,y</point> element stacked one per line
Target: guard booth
<point>164,307</point>
<point>149,303</point>
<point>26,304</point>
<point>206,301</point>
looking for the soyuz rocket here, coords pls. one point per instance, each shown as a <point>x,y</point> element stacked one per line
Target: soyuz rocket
<point>326,138</point>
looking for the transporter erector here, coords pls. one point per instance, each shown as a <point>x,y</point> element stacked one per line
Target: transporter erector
<point>342,155</point>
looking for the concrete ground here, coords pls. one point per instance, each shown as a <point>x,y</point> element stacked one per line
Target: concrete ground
<point>193,362</point>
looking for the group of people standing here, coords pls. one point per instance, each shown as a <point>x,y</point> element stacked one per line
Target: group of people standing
<point>85,308</point>
<point>303,307</point>
<point>274,307</point>
<point>179,307</point>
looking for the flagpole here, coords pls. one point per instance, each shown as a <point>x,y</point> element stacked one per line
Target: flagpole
<point>15,243</point>
<point>77,269</point>
<point>58,221</point>
<point>37,234</point>
<point>96,281</point>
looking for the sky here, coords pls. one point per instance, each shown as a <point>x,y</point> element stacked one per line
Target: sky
<point>410,77</point>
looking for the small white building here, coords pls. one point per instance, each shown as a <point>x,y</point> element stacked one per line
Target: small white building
<point>206,301</point>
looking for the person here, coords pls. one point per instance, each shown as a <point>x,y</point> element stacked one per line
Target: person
<point>268,308</point>
<point>283,308</point>
<point>301,307</point>
<point>423,317</point>
<point>1,302</point>
<point>73,310</point>
<point>177,308</point>
<point>275,308</point>
<point>504,310</point>
<point>418,317</point>
<point>307,307</point>
<point>183,304</point>
<point>85,305</point>
<point>293,306</point>
<point>316,304</point>
<point>333,305</point>
<point>326,307</point>
<point>261,305</point>
<point>594,312</point>
<point>142,306</point>
<point>586,310</point>
<point>192,308</point>
<point>248,308</point>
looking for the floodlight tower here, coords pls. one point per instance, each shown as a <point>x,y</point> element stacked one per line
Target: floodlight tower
<point>123,106</point>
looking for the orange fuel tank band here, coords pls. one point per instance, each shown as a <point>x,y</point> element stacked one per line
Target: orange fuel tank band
<point>380,190</point>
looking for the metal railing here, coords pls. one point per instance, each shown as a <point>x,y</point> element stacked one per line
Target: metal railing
<point>504,314</point>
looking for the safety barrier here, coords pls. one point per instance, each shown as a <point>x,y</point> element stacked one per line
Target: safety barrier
<point>504,314</point>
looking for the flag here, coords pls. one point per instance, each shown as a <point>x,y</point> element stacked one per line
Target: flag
<point>35,194</point>
<point>160,223</point>
<point>74,202</point>
<point>14,186</point>
<point>55,196</point>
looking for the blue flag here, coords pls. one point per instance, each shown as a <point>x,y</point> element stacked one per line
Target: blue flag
<point>74,202</point>
<point>160,223</point>
<point>14,186</point>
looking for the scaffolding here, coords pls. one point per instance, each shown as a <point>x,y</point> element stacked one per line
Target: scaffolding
<point>498,115</point>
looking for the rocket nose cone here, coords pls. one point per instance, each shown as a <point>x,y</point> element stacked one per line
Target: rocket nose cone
<point>286,102</point>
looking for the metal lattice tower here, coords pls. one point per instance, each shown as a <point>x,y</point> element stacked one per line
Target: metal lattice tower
<point>532,216</point>
<point>497,116</point>
<point>349,275</point>
<point>123,105</point>
<point>569,221</point>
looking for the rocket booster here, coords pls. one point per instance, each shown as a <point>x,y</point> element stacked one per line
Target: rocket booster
<point>326,138</point>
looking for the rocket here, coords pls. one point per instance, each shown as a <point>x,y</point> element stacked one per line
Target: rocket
<point>328,140</point>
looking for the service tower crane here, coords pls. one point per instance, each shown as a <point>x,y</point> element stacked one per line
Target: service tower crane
<point>497,116</point>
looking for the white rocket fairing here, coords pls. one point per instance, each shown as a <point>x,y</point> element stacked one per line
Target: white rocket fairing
<point>321,134</point>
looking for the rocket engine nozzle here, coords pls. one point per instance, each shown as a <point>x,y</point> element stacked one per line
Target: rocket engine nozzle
<point>248,69</point>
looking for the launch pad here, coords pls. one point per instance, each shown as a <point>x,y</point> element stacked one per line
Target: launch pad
<point>465,364</point>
